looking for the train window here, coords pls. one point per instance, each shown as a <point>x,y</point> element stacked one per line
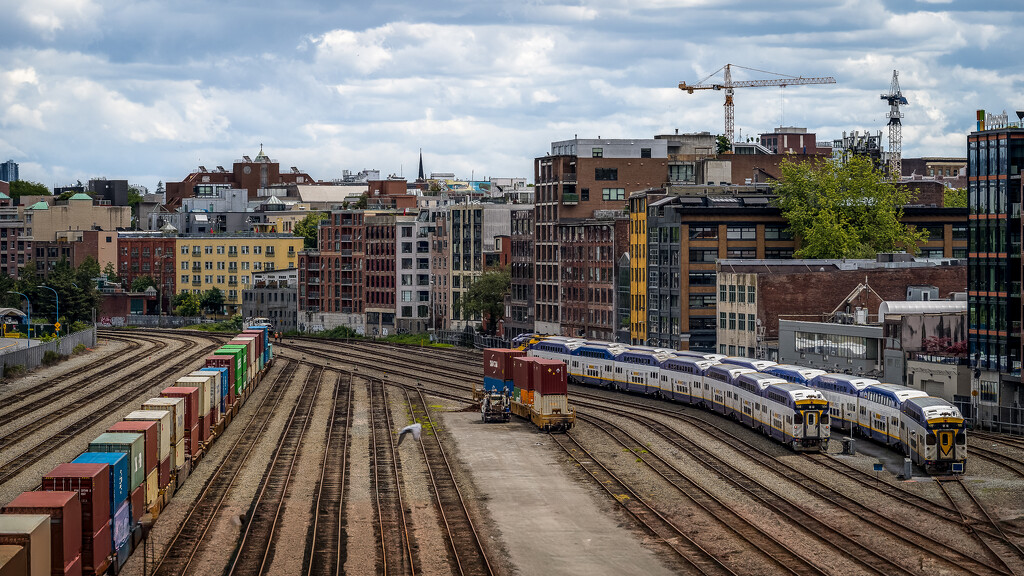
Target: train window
<point>961,438</point>
<point>789,419</point>
<point>798,418</point>
<point>824,418</point>
<point>930,440</point>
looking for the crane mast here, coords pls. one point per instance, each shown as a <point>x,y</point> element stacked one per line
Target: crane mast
<point>895,99</point>
<point>729,87</point>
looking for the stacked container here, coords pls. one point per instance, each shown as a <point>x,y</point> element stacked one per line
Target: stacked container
<point>133,445</point>
<point>550,382</point>
<point>190,394</point>
<point>92,482</point>
<point>265,330</point>
<point>147,494</point>
<point>214,397</point>
<point>204,384</point>
<point>227,362</point>
<point>239,364</point>
<point>261,345</point>
<point>13,560</point>
<point>498,369</point>
<point>163,420</point>
<point>118,479</point>
<point>65,512</point>
<point>223,380</point>
<point>32,532</point>
<point>522,376</point>
<point>176,406</point>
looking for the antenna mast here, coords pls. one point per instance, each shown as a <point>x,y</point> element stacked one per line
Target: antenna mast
<point>895,99</point>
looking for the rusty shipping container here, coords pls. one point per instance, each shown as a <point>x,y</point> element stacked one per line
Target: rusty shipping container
<point>65,512</point>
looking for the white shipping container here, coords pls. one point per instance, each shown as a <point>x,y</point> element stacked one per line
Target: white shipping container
<point>214,392</point>
<point>204,383</point>
<point>163,431</point>
<point>179,454</point>
<point>551,404</point>
<point>34,531</point>
<point>177,408</point>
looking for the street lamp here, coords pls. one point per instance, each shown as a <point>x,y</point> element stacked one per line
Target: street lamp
<point>28,306</point>
<point>57,321</point>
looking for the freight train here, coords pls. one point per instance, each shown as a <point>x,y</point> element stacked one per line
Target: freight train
<point>86,518</point>
<point>793,404</point>
<point>537,388</point>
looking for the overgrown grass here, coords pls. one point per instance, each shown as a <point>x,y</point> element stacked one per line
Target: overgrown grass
<point>51,358</point>
<point>78,349</point>
<point>345,333</point>
<point>13,370</point>
<point>233,324</point>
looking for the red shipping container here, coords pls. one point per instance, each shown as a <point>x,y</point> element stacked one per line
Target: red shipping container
<point>164,476</point>
<point>149,430</point>
<point>522,372</point>
<point>204,428</point>
<point>76,567</point>
<point>222,361</point>
<point>65,511</point>
<point>192,441</point>
<point>191,396</point>
<point>96,549</point>
<point>259,339</point>
<point>13,560</point>
<point>138,501</point>
<point>92,482</point>
<point>498,362</point>
<point>550,376</point>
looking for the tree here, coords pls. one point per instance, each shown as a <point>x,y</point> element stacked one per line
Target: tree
<point>111,273</point>
<point>360,204</point>
<point>21,188</point>
<point>848,210</point>
<point>307,229</point>
<point>723,144</point>
<point>212,300</point>
<point>487,296</point>
<point>160,187</point>
<point>187,304</point>
<point>134,199</point>
<point>954,198</point>
<point>142,282</point>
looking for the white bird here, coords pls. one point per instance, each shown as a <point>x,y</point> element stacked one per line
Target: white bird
<point>416,430</point>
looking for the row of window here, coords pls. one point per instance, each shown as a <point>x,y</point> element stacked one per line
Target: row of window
<point>734,321</point>
<point>198,250</point>
<point>736,293</point>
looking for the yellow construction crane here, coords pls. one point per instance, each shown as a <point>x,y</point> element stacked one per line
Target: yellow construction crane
<point>728,85</point>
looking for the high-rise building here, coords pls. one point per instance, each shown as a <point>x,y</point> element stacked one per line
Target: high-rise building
<point>9,171</point>
<point>995,158</point>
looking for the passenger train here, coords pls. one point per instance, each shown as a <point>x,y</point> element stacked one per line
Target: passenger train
<point>795,405</point>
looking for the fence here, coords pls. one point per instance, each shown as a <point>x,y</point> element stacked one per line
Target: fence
<point>33,357</point>
<point>152,321</point>
<point>1005,419</point>
<point>469,339</point>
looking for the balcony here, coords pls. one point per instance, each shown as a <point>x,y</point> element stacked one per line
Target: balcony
<point>233,254</point>
<point>314,280</point>
<point>197,267</point>
<point>569,178</point>
<point>197,283</point>
<point>570,199</point>
<point>230,282</point>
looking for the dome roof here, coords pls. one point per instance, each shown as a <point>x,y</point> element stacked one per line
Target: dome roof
<point>261,157</point>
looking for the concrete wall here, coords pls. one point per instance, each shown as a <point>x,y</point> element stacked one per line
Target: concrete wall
<point>942,380</point>
<point>32,357</point>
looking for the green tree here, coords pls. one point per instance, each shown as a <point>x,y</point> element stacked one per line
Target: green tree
<point>361,203</point>
<point>954,198</point>
<point>21,188</point>
<point>111,273</point>
<point>212,300</point>
<point>307,229</point>
<point>160,187</point>
<point>487,297</point>
<point>723,144</point>
<point>844,211</point>
<point>140,283</point>
<point>188,304</point>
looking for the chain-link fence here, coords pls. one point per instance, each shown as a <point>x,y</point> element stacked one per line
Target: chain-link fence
<point>1005,419</point>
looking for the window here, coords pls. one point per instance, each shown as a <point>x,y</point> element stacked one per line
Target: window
<point>245,249</point>
<point>703,255</point>
<point>220,249</point>
<point>184,250</point>
<point>584,194</point>
<point>777,232</point>
<point>722,320</point>
<point>778,253</point>
<point>732,292</point>
<point>613,194</point>
<point>741,323</point>
<point>257,249</point>
<point>606,173</point>
<point>680,173</point>
<point>207,249</point>
<point>597,152</point>
<point>702,278</point>
<point>732,320</point>
<point>750,294</point>
<point>741,233</point>
<point>721,292</point>
<point>645,152</point>
<point>743,253</point>
<point>184,265</point>
<point>703,232</point>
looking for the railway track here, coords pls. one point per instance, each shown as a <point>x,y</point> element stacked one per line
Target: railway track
<point>392,527</point>
<point>112,403</point>
<point>256,547</point>
<point>325,554</point>
<point>1003,549</point>
<point>183,548</point>
<point>465,544</point>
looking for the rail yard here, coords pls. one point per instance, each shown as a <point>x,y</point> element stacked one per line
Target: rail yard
<point>309,477</point>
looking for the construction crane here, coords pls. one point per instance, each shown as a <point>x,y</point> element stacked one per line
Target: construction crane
<point>895,99</point>
<point>728,85</point>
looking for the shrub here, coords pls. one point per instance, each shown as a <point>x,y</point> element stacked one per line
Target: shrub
<point>50,357</point>
<point>78,349</point>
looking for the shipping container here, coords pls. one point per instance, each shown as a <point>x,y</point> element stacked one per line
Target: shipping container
<point>250,346</point>
<point>151,430</point>
<point>239,364</point>
<point>549,404</point>
<point>225,361</point>
<point>550,376</point>
<point>180,457</point>
<point>152,487</point>
<point>498,362</point>
<point>191,397</point>
<point>214,377</point>
<point>13,560</point>
<point>163,420</point>
<point>117,474</point>
<point>220,378</point>
<point>177,409</point>
<point>121,531</point>
<point>96,549</point>
<point>131,443</point>
<point>527,397</point>
<point>138,504</point>
<point>92,482</point>
<point>204,383</point>
<point>65,512</point>
<point>522,372</point>
<point>33,532</point>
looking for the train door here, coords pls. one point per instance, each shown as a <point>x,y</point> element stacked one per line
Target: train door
<point>811,424</point>
<point>945,444</point>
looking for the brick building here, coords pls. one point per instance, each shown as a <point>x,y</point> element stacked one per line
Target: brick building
<point>589,252</point>
<point>519,306</point>
<point>331,283</point>
<point>251,175</point>
<point>380,273</point>
<point>440,271</point>
<point>148,254</point>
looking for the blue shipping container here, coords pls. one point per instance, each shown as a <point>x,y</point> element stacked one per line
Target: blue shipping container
<point>496,385</point>
<point>122,527</point>
<point>118,462</point>
<point>224,381</point>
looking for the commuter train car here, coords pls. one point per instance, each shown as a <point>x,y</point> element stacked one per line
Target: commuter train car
<point>752,363</point>
<point>793,373</point>
<point>682,378</point>
<point>842,392</point>
<point>639,370</point>
<point>594,364</point>
<point>933,435</point>
<point>745,401</point>
<point>798,416</point>
<point>719,381</point>
<point>878,411</point>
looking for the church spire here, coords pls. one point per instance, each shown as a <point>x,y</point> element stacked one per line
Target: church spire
<point>420,177</point>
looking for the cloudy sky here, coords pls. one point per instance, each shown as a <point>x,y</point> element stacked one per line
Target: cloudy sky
<point>148,90</point>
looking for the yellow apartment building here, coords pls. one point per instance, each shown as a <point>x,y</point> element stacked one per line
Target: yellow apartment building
<point>228,262</point>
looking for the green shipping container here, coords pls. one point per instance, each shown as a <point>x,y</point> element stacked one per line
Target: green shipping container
<point>131,443</point>
<point>239,353</point>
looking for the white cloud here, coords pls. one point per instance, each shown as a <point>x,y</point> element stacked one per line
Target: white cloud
<point>48,17</point>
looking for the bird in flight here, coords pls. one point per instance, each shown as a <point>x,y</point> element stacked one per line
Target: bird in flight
<point>416,429</point>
